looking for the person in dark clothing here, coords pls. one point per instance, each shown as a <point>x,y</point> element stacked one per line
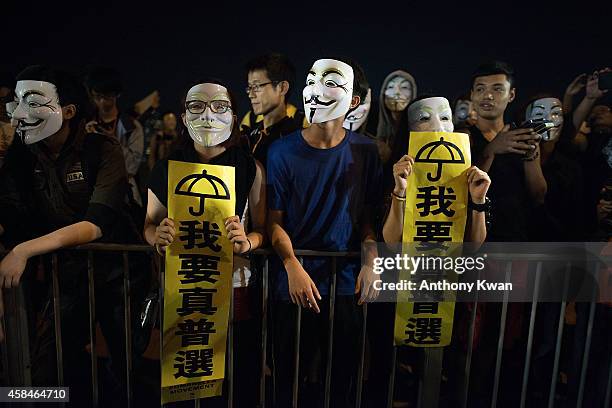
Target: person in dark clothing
<point>208,105</point>
<point>165,140</point>
<point>589,142</point>
<point>560,217</point>
<point>67,187</point>
<point>510,157</point>
<point>105,87</point>
<point>270,78</point>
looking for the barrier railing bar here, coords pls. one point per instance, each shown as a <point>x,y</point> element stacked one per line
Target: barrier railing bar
<point>230,355</point>
<point>127,302</point>
<point>609,386</point>
<point>392,377</point>
<point>555,372</point>
<point>360,368</point>
<point>264,333</point>
<point>534,308</point>
<point>296,368</point>
<point>57,319</point>
<point>162,283</point>
<point>330,336</point>
<point>429,393</point>
<point>92,329</point>
<point>470,350</point>
<point>500,343</point>
<point>587,346</point>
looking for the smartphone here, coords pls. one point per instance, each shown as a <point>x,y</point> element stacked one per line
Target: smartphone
<point>540,126</point>
<point>605,80</point>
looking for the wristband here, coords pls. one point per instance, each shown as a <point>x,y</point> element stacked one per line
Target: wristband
<point>533,157</point>
<point>484,207</point>
<point>398,197</point>
<point>250,246</point>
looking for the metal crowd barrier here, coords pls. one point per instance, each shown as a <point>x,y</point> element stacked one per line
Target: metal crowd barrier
<point>15,350</point>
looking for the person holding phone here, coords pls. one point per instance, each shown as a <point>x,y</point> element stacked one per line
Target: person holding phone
<point>511,157</point>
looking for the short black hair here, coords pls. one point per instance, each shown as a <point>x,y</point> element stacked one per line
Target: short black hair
<point>278,67</point>
<point>69,88</point>
<point>494,68</point>
<point>104,80</point>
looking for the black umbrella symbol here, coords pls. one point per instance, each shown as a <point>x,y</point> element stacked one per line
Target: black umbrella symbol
<point>185,187</point>
<point>424,156</point>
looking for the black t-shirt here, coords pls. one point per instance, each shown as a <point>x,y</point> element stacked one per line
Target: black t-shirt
<point>257,141</point>
<point>508,192</point>
<point>86,182</point>
<point>234,156</point>
<point>561,218</point>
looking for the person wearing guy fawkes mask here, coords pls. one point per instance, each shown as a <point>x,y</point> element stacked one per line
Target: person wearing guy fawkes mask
<point>560,217</point>
<point>397,91</point>
<point>357,119</point>
<point>323,184</point>
<point>70,189</point>
<point>464,114</point>
<point>210,120</point>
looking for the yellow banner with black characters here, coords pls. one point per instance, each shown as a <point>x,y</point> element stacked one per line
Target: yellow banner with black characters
<point>198,281</point>
<point>435,216</point>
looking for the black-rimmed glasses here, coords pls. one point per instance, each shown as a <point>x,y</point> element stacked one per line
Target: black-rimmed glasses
<point>217,106</point>
<point>257,87</point>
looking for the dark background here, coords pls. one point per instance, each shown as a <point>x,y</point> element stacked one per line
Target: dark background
<point>166,46</point>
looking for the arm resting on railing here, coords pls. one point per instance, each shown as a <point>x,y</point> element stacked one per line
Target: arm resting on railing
<point>13,265</point>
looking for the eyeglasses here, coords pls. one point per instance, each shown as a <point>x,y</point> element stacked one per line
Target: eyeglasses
<point>198,107</point>
<point>257,87</point>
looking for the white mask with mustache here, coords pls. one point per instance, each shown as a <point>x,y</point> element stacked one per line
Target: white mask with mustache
<point>208,128</point>
<point>329,90</point>
<point>358,116</point>
<point>36,113</point>
<point>398,94</point>
<point>549,109</point>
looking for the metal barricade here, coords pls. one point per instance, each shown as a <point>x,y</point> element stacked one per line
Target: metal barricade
<point>16,359</point>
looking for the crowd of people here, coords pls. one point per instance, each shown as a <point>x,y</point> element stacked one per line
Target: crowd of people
<point>75,168</point>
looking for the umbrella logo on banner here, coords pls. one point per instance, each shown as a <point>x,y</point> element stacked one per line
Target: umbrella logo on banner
<point>446,153</point>
<point>186,186</point>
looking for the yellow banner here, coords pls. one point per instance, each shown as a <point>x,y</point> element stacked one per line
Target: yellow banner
<point>436,213</point>
<point>198,281</point>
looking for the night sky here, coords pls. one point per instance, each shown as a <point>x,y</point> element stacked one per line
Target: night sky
<point>166,48</point>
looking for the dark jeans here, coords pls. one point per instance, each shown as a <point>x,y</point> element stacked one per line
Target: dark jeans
<point>313,344</point>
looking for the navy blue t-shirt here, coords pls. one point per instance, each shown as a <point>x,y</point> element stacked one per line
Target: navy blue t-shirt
<point>326,195</point>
